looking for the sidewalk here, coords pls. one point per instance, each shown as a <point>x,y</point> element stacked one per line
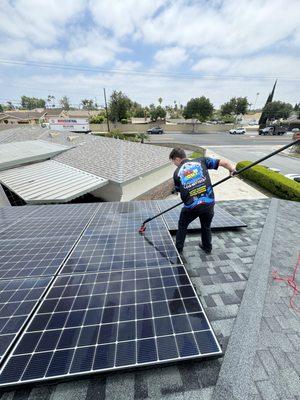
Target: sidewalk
<point>233,189</point>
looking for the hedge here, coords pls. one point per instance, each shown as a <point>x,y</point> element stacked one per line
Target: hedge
<point>274,182</point>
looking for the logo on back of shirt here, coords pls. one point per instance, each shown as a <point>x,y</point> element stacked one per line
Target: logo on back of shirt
<point>191,174</point>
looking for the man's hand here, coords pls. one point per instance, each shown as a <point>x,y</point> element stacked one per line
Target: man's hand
<point>233,172</point>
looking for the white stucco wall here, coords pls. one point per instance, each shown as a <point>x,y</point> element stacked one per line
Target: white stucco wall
<point>141,185</point>
<point>125,192</point>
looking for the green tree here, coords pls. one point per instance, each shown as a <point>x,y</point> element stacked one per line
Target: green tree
<point>277,109</point>
<point>136,110</point>
<point>199,109</point>
<point>1,108</point>
<point>10,106</point>
<point>160,100</point>
<point>236,105</point>
<point>29,103</point>
<point>65,103</point>
<point>119,106</point>
<point>263,118</point>
<point>50,101</point>
<point>157,113</point>
<point>88,104</point>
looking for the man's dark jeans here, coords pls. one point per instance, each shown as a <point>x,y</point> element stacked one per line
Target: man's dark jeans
<point>205,214</point>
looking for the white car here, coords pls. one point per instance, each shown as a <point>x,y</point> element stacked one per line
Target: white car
<point>237,131</point>
<point>293,177</point>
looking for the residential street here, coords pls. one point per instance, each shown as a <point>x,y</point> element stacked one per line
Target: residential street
<point>239,147</point>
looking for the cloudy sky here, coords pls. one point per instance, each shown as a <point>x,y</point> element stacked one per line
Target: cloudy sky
<point>174,49</point>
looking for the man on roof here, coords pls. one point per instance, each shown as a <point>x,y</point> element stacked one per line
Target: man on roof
<point>192,180</point>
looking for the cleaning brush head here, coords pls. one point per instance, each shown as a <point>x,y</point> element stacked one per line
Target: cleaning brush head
<point>142,229</point>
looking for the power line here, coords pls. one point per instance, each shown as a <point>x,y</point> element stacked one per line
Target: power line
<point>142,73</point>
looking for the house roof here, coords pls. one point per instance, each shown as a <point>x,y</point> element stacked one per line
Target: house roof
<point>17,153</point>
<point>24,114</point>
<point>49,182</point>
<point>81,113</point>
<point>53,111</point>
<point>223,281</point>
<point>116,160</point>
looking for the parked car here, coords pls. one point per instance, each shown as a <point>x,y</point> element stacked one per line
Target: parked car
<point>273,130</point>
<point>294,177</point>
<point>237,131</point>
<point>155,131</point>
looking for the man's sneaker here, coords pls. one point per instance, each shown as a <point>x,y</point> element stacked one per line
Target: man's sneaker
<point>207,251</point>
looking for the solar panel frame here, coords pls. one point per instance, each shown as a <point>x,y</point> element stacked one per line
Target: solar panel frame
<point>222,219</point>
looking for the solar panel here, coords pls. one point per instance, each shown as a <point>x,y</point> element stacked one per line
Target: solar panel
<point>10,215</point>
<point>121,299</point>
<point>65,211</point>
<point>33,257</point>
<point>38,228</point>
<point>107,321</point>
<point>17,300</point>
<point>222,219</point>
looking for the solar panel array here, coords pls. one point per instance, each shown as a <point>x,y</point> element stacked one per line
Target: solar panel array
<point>82,292</point>
<point>222,219</point>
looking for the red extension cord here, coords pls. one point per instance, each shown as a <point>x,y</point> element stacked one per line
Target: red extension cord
<point>291,281</point>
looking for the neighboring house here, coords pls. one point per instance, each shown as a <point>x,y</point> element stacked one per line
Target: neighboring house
<point>79,113</point>
<point>130,169</point>
<point>21,117</point>
<point>52,113</point>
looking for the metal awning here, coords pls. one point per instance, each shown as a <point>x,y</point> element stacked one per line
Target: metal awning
<point>18,153</point>
<point>49,182</point>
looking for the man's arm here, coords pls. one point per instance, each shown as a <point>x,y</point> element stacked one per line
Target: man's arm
<point>228,165</point>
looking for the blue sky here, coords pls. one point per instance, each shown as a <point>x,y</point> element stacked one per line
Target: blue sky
<point>174,49</point>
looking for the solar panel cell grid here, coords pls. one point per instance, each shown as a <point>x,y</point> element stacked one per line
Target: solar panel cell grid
<point>33,257</point>
<point>122,250</point>
<point>38,228</point>
<point>63,211</point>
<point>103,321</point>
<point>222,219</point>
<point>17,299</point>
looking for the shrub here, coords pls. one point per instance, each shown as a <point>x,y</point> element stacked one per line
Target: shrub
<point>97,119</point>
<point>197,154</point>
<point>124,121</point>
<point>274,182</point>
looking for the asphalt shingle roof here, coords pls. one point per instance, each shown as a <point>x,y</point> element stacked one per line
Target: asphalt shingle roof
<point>220,279</point>
<point>116,160</point>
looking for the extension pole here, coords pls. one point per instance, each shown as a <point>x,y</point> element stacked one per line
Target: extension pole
<point>143,227</point>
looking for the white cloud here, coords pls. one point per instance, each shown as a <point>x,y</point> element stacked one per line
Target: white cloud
<point>123,17</point>
<point>93,48</point>
<point>233,37</point>
<point>258,66</point>
<point>233,27</point>
<point>40,22</point>
<point>146,90</point>
<point>170,57</point>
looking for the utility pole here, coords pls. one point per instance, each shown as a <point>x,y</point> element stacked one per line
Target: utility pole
<point>108,129</point>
